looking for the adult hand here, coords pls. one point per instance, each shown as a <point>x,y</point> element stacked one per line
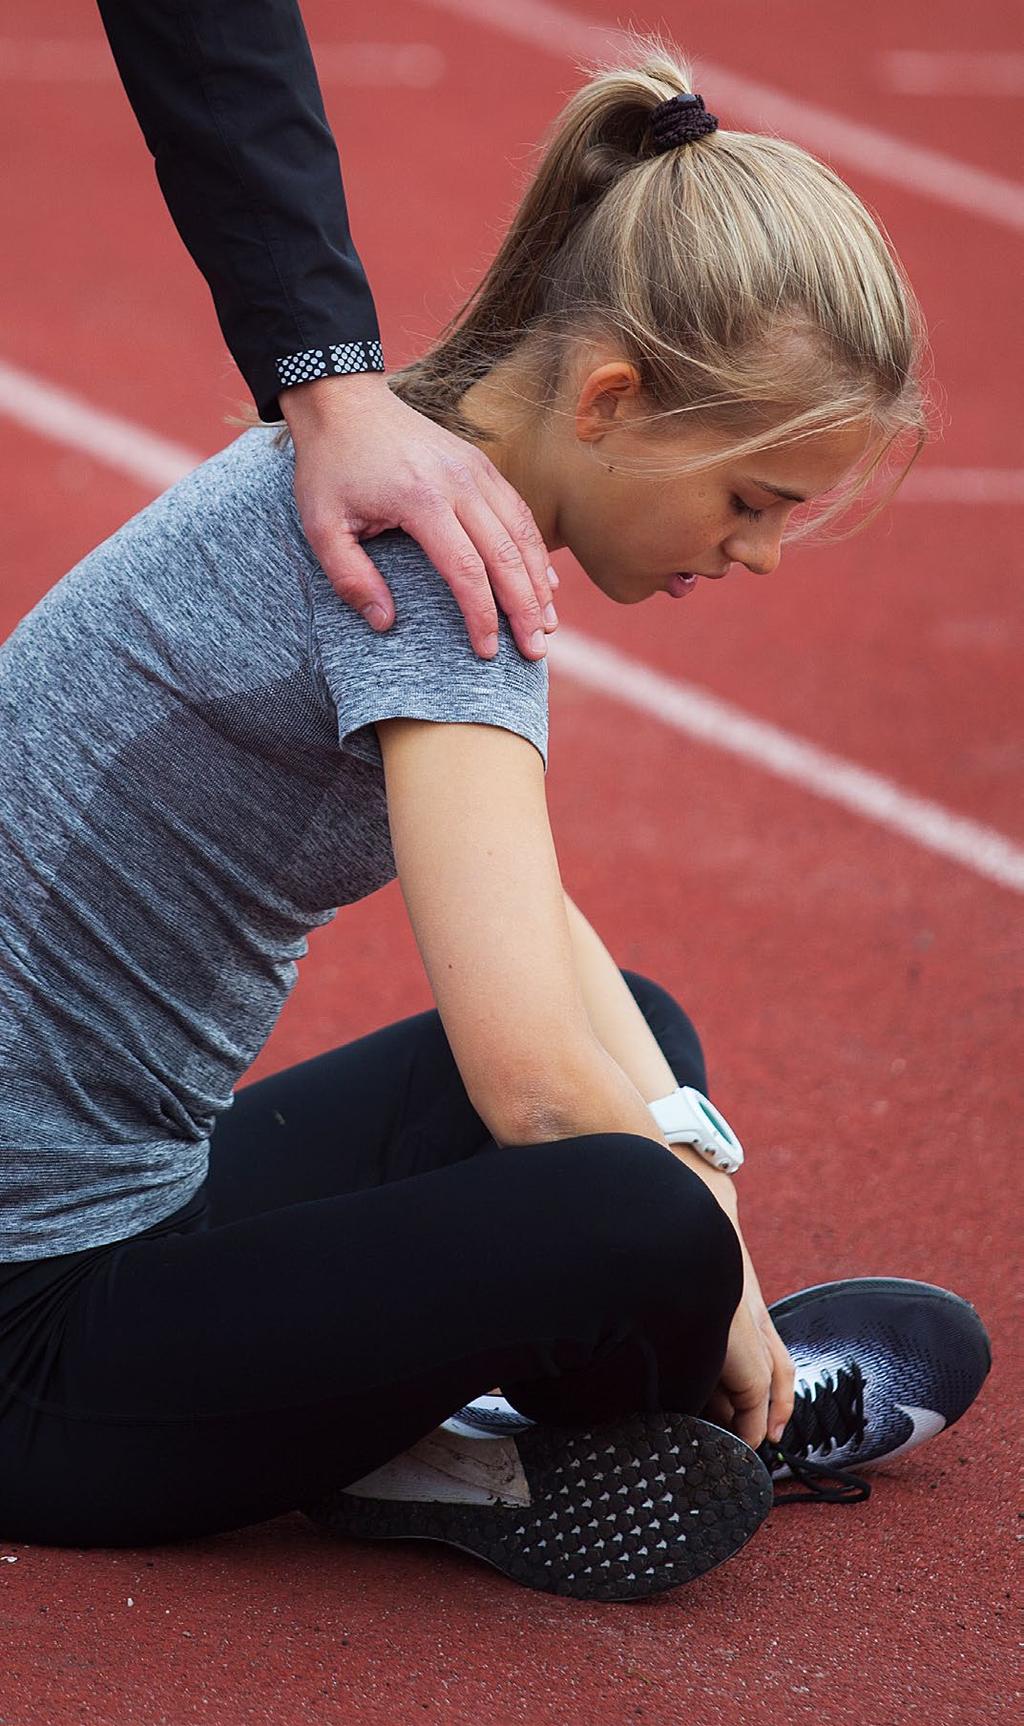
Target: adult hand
<point>754,1396</point>
<point>365,461</point>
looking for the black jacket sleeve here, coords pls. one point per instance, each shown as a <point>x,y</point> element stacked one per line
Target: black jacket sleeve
<point>227,97</point>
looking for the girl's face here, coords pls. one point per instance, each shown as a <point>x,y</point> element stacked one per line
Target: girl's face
<point>635,535</point>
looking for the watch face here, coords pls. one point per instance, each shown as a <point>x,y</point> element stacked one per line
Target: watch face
<point>688,1117</point>
<point>720,1129</point>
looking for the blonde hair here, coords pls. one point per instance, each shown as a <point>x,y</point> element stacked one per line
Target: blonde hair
<point>746,283</point>
<point>750,288</point>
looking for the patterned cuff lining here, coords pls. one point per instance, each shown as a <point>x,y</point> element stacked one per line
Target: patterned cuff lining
<point>340,357</point>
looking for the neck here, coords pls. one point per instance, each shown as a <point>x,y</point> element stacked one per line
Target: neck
<point>502,404</point>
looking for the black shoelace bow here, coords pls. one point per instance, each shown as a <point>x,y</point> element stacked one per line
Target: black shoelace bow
<point>823,1419</point>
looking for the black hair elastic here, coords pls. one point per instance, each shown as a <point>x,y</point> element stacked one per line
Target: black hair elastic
<point>681,120</point>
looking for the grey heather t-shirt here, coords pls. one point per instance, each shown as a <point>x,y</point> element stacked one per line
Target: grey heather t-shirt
<point>188,785</point>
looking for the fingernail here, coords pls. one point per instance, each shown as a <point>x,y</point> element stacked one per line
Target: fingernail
<point>375,616</point>
<point>553,576</point>
<point>551,617</point>
<point>490,645</point>
<point>538,641</point>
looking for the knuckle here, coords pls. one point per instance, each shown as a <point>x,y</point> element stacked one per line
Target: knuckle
<point>526,528</point>
<point>460,472</point>
<point>350,588</point>
<point>426,498</point>
<point>318,530</point>
<point>486,466</point>
<point>468,566</point>
<point>506,553</point>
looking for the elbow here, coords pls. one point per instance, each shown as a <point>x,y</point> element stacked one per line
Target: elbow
<point>540,1107</point>
<point>526,1121</point>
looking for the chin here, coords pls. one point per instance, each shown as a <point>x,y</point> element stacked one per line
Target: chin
<point>622,590</point>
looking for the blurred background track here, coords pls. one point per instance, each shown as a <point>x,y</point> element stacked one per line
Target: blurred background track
<point>859,989</point>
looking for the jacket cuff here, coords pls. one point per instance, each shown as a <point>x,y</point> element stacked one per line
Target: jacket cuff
<point>332,360</point>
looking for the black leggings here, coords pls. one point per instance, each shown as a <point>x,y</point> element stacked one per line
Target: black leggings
<point>361,1260</point>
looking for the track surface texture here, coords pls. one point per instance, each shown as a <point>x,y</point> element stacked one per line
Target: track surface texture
<point>857,991</point>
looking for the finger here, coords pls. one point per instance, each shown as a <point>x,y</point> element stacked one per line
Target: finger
<point>439,531</point>
<point>517,519</point>
<point>751,1423</point>
<point>510,580</point>
<point>751,1400</point>
<point>719,1409</point>
<point>354,577</point>
<point>783,1386</point>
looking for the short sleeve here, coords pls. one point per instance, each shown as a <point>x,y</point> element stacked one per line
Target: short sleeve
<point>424,666</point>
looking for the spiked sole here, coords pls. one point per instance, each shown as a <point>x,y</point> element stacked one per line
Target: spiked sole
<point>617,1512</point>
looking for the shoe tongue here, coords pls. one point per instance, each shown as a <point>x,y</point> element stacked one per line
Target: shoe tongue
<point>828,1414</point>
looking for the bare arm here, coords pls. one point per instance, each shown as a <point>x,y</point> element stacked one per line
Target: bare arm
<point>623,1031</point>
<point>617,1020</point>
<point>756,1392</point>
<point>476,862</point>
<point>526,999</point>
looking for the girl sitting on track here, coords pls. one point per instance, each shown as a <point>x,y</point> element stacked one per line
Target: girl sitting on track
<point>213,1312</point>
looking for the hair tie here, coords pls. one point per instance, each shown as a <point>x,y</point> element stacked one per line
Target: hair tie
<point>681,120</point>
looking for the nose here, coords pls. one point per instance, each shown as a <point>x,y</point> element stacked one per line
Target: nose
<point>761,555</point>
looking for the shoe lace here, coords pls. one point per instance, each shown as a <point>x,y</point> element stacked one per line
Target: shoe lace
<point>824,1418</point>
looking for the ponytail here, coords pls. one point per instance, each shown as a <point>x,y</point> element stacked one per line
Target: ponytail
<point>743,279</point>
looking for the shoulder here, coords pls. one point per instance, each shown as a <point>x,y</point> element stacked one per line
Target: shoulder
<point>424,666</point>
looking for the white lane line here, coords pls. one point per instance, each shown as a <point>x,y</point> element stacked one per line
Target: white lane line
<point>955,72</point>
<point>960,485</point>
<point>154,461</point>
<point>64,418</point>
<point>157,462</point>
<point>374,65</point>
<point>44,61</point>
<point>947,179</point>
<point>689,709</point>
<point>416,65</point>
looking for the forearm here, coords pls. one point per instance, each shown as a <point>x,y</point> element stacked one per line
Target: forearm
<point>618,1023</point>
<point>227,97</point>
<point>585,1091</point>
<point>623,1032</point>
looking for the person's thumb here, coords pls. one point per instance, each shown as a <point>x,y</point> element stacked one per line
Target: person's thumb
<point>354,577</point>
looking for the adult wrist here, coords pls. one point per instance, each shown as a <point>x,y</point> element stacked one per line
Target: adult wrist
<point>687,1117</point>
<point>321,400</point>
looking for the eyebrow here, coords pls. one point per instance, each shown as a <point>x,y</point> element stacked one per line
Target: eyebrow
<point>776,491</point>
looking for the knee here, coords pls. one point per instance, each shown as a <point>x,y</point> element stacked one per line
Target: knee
<point>655,1228</point>
<point>672,1028</point>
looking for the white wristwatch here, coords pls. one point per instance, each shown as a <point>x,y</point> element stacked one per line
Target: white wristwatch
<point>688,1118</point>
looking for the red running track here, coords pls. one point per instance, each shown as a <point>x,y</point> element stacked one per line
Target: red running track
<point>858,994</point>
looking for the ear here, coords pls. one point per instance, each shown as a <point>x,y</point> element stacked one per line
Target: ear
<point>606,398</point>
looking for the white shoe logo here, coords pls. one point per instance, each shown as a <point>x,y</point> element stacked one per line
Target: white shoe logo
<point>926,1424</point>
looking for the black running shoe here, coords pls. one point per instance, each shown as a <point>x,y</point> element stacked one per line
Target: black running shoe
<point>612,1512</point>
<point>490,1416</point>
<point>882,1364</point>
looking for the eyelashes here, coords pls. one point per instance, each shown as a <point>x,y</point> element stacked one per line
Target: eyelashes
<point>742,508</point>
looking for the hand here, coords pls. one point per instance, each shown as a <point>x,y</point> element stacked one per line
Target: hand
<point>754,1396</point>
<point>366,462</point>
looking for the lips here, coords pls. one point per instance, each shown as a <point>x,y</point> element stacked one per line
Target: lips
<point>680,585</point>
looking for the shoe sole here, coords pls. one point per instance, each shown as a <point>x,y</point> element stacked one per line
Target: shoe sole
<point>617,1512</point>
